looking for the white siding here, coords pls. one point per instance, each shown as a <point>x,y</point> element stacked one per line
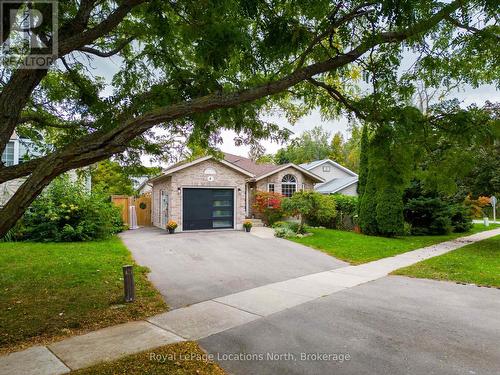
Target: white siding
<point>334,172</point>
<point>350,190</point>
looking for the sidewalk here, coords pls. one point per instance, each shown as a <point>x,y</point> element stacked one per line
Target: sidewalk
<point>213,316</point>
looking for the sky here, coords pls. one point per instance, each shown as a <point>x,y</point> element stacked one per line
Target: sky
<point>468,95</point>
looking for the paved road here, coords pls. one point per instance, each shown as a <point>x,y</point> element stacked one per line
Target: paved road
<point>192,267</point>
<point>394,325</point>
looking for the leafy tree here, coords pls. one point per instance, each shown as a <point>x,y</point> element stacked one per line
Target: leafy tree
<point>311,145</point>
<point>194,71</point>
<point>265,159</point>
<point>363,162</point>
<point>337,148</point>
<point>352,148</point>
<point>368,205</point>
<point>256,151</point>
<point>109,177</point>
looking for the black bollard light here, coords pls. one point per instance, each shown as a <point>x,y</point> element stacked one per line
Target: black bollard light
<point>128,283</point>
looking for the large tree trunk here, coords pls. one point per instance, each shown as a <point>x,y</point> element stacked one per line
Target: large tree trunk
<point>14,97</point>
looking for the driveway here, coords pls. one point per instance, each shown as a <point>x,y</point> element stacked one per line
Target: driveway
<point>394,325</point>
<point>191,267</point>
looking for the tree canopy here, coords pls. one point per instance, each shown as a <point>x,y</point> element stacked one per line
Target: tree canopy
<point>195,69</point>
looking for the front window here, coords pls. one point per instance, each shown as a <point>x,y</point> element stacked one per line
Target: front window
<point>288,185</point>
<point>8,154</point>
<point>270,188</point>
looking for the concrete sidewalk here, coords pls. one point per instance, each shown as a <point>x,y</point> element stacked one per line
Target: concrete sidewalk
<point>210,317</point>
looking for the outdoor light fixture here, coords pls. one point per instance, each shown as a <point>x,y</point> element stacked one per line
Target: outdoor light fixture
<point>179,190</point>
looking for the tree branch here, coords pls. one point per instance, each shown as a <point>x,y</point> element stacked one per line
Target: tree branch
<point>337,96</point>
<point>336,24</point>
<point>113,52</point>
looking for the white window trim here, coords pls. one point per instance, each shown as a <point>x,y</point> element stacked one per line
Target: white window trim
<point>269,185</point>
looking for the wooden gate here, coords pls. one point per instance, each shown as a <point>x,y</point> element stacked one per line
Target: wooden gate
<point>143,210</point>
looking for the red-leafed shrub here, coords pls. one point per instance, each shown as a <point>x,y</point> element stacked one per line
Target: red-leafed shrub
<point>268,205</point>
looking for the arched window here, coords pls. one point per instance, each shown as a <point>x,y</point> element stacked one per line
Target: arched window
<point>288,185</point>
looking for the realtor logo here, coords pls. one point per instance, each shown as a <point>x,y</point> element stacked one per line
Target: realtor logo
<point>28,33</point>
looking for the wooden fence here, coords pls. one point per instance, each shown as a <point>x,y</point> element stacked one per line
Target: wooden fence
<point>142,208</point>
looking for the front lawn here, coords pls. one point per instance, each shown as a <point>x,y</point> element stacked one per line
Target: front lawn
<point>357,248</point>
<point>477,263</point>
<point>176,359</point>
<point>51,290</point>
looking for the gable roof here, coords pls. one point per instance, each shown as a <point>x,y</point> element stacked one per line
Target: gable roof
<point>243,165</point>
<point>290,165</point>
<point>317,163</point>
<point>186,164</point>
<point>336,185</point>
<point>250,165</point>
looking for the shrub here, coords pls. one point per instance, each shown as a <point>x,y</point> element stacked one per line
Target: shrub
<point>65,211</point>
<point>477,206</point>
<point>313,207</point>
<point>346,207</point>
<point>284,232</point>
<point>291,225</point>
<point>428,216</point>
<point>279,224</point>
<point>268,206</point>
<point>461,218</point>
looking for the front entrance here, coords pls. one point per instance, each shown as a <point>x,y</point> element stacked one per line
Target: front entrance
<point>207,209</point>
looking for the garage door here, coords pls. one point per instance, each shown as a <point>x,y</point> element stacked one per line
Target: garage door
<point>207,208</point>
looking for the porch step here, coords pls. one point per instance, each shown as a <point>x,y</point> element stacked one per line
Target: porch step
<point>256,222</point>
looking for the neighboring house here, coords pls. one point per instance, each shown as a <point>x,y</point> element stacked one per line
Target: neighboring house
<point>339,179</point>
<point>210,193</point>
<point>144,187</point>
<point>16,151</point>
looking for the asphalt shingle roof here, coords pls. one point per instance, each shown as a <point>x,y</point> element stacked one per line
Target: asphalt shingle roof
<point>335,185</point>
<point>249,165</point>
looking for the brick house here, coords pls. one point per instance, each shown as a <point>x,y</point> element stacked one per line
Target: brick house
<point>210,193</point>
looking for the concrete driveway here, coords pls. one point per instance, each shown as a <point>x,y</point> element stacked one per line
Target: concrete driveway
<point>197,266</point>
<point>394,325</point>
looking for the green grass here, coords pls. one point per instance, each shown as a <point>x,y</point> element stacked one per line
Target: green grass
<point>357,248</point>
<point>176,359</point>
<point>478,263</point>
<point>51,290</point>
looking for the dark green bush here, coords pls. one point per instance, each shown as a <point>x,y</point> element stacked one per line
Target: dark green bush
<point>65,211</point>
<point>389,212</point>
<point>461,218</point>
<point>368,208</point>
<point>433,215</point>
<point>428,216</point>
